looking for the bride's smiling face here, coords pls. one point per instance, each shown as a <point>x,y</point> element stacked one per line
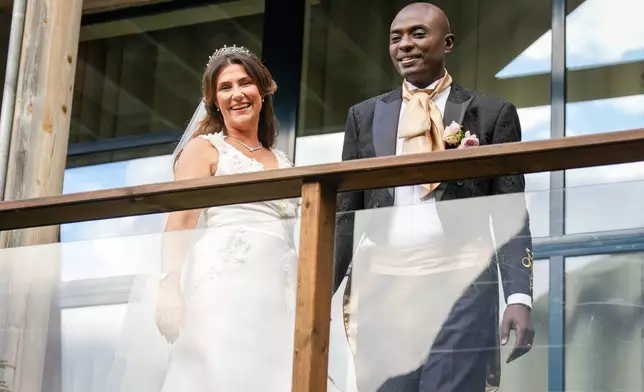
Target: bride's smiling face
<point>238,98</point>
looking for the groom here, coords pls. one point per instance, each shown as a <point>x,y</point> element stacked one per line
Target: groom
<point>464,355</point>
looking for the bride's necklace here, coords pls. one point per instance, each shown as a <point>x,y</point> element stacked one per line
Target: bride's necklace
<point>251,149</point>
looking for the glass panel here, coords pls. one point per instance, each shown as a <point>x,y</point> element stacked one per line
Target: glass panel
<point>102,329</point>
<point>603,322</point>
<point>530,372</point>
<point>604,198</point>
<point>605,61</point>
<point>232,273</point>
<point>427,278</point>
<point>108,176</point>
<point>424,302</point>
<point>90,336</point>
<point>141,76</point>
<point>237,279</point>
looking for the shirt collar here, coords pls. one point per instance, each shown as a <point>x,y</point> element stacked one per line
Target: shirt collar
<point>412,87</point>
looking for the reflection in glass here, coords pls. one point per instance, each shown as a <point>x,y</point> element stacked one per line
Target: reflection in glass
<point>109,257</point>
<point>605,94</point>
<point>89,340</point>
<point>397,273</point>
<point>143,75</point>
<point>599,33</point>
<point>603,323</point>
<point>612,202</point>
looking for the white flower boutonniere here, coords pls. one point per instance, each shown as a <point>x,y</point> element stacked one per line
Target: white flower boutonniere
<point>454,136</point>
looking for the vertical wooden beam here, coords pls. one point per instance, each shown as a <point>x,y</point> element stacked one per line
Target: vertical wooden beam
<point>37,158</point>
<point>314,281</point>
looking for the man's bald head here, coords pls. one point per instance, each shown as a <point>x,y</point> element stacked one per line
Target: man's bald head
<point>429,11</point>
<point>419,40</point>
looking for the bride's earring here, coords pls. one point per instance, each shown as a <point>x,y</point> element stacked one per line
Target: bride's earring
<point>262,99</point>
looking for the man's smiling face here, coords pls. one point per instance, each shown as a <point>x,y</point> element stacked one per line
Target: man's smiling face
<point>419,39</point>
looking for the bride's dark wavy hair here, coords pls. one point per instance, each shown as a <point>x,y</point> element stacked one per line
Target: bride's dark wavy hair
<point>213,122</point>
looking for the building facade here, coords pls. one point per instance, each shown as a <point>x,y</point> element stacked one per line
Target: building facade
<point>571,67</point>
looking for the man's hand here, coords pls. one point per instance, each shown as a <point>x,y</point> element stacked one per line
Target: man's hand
<point>518,318</point>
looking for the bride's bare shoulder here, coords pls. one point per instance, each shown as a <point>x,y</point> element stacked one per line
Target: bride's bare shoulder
<point>200,148</point>
<point>199,157</point>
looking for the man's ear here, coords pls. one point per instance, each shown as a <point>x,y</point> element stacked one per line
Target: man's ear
<point>449,42</point>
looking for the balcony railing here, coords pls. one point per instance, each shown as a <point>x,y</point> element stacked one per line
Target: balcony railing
<point>318,187</point>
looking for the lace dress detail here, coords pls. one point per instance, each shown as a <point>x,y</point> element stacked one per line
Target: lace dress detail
<point>236,247</point>
<point>234,252</point>
<point>233,161</point>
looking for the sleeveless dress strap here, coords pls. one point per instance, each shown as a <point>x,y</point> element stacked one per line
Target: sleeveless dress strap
<point>282,159</point>
<point>216,139</point>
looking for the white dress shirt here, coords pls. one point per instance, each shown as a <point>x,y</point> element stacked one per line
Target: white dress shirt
<point>415,222</point>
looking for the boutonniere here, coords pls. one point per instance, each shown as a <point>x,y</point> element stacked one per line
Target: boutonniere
<point>454,136</point>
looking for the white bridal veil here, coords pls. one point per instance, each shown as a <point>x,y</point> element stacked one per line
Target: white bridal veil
<point>141,354</point>
<point>188,134</point>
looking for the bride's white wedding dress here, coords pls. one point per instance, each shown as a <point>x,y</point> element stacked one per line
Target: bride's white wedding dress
<point>239,293</point>
<point>239,286</point>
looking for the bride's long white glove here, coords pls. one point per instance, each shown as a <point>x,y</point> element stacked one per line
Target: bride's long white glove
<point>171,310</point>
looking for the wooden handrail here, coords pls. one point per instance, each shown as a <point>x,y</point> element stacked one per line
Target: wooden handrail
<point>484,161</point>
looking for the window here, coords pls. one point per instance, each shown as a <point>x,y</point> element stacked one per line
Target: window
<point>603,335</point>
<point>138,79</point>
<point>605,62</point>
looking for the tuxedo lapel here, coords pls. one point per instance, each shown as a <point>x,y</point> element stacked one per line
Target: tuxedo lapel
<point>457,103</point>
<point>385,124</point>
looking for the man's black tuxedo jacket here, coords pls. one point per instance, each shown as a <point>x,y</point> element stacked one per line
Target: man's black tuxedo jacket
<point>371,131</point>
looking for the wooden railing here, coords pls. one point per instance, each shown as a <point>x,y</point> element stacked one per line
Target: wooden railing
<point>318,186</point>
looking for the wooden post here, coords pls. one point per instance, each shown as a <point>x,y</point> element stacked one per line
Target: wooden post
<point>314,288</point>
<point>38,151</point>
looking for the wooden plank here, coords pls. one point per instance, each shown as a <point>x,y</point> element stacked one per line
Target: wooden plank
<point>315,271</point>
<point>485,161</point>
<point>29,325</point>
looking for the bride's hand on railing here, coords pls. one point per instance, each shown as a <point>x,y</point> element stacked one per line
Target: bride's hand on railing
<point>171,309</point>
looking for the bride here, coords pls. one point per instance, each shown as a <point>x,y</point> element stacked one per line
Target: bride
<point>232,321</point>
<point>219,314</point>
<point>226,313</point>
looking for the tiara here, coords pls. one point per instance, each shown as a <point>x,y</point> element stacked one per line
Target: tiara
<point>228,50</point>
